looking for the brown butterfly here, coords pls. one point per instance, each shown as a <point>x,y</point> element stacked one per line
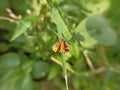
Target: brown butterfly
<point>61,46</point>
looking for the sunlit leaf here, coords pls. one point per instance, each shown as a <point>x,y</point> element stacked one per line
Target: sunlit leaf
<point>96,30</point>
<point>21,28</point>
<point>61,26</point>
<point>98,6</point>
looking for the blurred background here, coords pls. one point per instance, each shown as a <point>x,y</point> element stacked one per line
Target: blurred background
<point>29,29</point>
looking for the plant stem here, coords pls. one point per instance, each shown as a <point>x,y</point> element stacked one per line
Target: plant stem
<point>64,70</point>
<point>68,68</point>
<point>88,61</point>
<point>8,19</point>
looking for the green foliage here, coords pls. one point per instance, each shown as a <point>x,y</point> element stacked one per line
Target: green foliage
<point>96,30</point>
<point>12,76</point>
<point>61,26</point>
<point>21,28</point>
<point>40,69</point>
<point>91,27</point>
<point>8,62</point>
<point>23,25</point>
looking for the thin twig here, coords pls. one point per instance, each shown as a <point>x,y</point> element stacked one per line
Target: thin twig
<point>12,15</point>
<point>8,19</point>
<point>95,71</point>
<point>88,60</point>
<point>99,70</point>
<point>58,62</point>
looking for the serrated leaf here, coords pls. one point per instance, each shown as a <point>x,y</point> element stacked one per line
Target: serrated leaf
<point>61,26</point>
<point>96,30</point>
<point>21,28</point>
<point>40,69</point>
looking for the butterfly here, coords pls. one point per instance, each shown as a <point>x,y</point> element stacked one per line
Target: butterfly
<point>61,46</point>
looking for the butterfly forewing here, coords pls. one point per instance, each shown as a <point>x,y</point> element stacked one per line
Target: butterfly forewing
<point>56,47</point>
<point>61,46</point>
<point>67,46</point>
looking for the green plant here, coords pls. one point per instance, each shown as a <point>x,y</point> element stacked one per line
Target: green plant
<point>27,60</point>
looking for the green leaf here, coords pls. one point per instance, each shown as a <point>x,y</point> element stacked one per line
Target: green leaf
<point>96,30</point>
<point>32,18</point>
<point>21,28</point>
<point>28,65</point>
<point>40,69</point>
<point>16,80</point>
<point>95,6</point>
<point>24,82</point>
<point>75,50</point>
<point>8,62</point>
<point>77,37</point>
<point>61,26</point>
<point>27,83</point>
<point>54,71</point>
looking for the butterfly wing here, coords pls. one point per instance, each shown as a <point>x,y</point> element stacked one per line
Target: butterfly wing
<point>56,47</point>
<point>67,47</point>
<point>61,46</point>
